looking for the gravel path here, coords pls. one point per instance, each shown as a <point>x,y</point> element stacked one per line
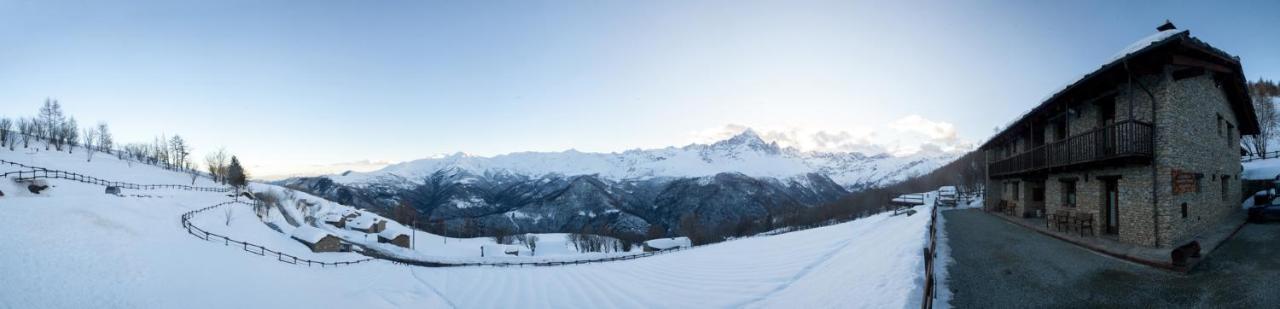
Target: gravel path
<point>1000,265</point>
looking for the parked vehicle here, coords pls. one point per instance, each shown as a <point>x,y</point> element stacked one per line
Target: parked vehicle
<point>1265,212</point>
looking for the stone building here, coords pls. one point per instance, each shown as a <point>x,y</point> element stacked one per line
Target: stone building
<point>396,235</point>
<point>316,239</point>
<point>1146,146</point>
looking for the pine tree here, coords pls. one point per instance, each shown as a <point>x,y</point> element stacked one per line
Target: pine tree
<point>236,174</point>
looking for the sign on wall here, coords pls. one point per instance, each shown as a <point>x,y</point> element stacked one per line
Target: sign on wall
<point>1185,182</point>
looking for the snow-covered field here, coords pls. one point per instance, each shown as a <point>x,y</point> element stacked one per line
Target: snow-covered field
<point>1263,169</point>
<point>75,247</point>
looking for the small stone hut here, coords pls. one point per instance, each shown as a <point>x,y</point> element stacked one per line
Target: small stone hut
<point>316,239</point>
<point>398,236</point>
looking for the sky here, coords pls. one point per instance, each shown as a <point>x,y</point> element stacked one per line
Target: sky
<point>323,86</point>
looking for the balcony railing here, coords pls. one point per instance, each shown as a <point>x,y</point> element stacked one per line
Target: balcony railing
<point>1126,139</point>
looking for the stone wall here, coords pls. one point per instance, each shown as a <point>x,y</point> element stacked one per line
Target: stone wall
<point>1192,140</point>
<point>1136,223</point>
<point>1189,138</point>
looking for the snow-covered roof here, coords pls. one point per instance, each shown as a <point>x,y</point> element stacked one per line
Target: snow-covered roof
<point>364,221</point>
<point>1133,48</point>
<point>393,230</point>
<point>1144,43</point>
<point>668,243</point>
<point>309,234</point>
<point>906,200</point>
<point>332,217</point>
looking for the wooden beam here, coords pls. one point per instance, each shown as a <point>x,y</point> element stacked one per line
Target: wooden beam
<point>1193,62</point>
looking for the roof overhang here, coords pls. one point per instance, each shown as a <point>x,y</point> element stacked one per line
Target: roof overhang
<point>1181,49</point>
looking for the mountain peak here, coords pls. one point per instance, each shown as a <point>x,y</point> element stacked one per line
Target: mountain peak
<point>747,137</point>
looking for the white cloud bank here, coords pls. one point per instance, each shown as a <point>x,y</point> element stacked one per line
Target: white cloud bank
<point>302,170</point>
<point>903,136</point>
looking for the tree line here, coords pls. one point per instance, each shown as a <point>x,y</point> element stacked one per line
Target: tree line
<point>54,130</point>
<point>967,173</point>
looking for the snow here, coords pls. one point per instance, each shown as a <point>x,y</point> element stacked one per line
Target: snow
<point>363,222</point>
<point>75,247</point>
<point>668,243</point>
<point>1264,169</point>
<point>393,230</point>
<point>309,234</point>
<point>745,154</point>
<point>1144,43</point>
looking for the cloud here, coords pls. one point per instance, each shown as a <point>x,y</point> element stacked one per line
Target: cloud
<point>907,135</point>
<point>302,170</point>
<point>935,130</point>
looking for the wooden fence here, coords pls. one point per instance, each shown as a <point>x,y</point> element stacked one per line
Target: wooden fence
<point>1267,155</point>
<point>403,261</point>
<point>251,247</point>
<point>930,257</point>
<point>33,172</point>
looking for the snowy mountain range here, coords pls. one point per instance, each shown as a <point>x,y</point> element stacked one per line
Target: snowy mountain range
<point>745,153</point>
<point>742,178</point>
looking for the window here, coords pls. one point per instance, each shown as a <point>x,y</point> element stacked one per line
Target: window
<point>1230,137</point>
<point>1107,111</point>
<point>1060,130</point>
<point>1037,194</point>
<point>1069,193</point>
<point>1219,124</point>
<point>1225,186</point>
<point>1184,210</point>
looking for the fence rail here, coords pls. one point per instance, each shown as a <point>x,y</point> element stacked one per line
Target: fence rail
<point>930,255</point>
<point>1266,155</point>
<point>34,172</point>
<point>522,264</point>
<point>251,247</point>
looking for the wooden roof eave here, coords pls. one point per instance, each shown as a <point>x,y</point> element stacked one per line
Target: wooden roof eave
<point>1236,84</point>
<point>1113,65</point>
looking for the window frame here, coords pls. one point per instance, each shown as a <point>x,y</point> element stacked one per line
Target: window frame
<point>1069,194</point>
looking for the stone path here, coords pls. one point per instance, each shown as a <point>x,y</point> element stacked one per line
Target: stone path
<point>1001,265</point>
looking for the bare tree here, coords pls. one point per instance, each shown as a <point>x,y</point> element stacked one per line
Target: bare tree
<point>90,137</point>
<point>180,151</point>
<point>105,141</point>
<point>216,162</point>
<point>228,214</point>
<point>69,134</point>
<point>6,125</point>
<point>50,122</point>
<point>689,227</point>
<point>531,241</point>
<point>26,128</point>
<point>1263,93</point>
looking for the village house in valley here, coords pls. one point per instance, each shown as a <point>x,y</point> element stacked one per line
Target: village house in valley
<point>316,239</point>
<point>1144,150</point>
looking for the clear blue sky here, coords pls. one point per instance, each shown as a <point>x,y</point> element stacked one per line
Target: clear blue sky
<point>315,82</point>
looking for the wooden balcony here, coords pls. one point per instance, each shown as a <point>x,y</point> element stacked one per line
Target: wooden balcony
<point>1126,140</point>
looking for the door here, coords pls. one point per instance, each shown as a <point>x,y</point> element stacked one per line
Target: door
<point>1111,206</point>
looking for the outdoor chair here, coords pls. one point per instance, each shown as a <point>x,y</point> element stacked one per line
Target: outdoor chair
<point>1063,219</point>
<point>1084,221</point>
